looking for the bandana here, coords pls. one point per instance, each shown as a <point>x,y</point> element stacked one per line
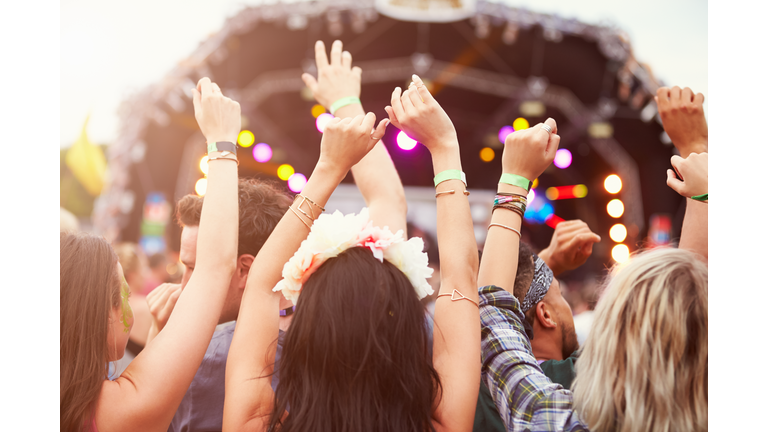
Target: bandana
<point>542,280</point>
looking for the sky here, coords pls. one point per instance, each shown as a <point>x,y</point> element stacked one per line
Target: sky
<point>111,49</point>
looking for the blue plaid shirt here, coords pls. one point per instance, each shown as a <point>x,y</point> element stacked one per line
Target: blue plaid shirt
<point>527,400</point>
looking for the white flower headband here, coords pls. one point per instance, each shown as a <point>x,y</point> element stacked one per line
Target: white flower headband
<point>332,234</point>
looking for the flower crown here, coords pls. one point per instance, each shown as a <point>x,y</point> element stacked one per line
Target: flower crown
<point>332,234</point>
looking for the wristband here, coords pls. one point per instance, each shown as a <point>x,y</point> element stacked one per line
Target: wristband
<point>222,146</point>
<point>344,102</point>
<point>516,180</point>
<point>451,174</point>
<point>704,197</point>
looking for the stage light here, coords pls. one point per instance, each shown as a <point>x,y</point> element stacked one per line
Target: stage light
<point>531,197</point>
<point>535,183</point>
<point>580,191</point>
<point>553,193</point>
<point>284,172</point>
<point>520,124</point>
<point>245,138</point>
<point>405,142</point>
<point>620,253</point>
<point>297,182</point>
<point>318,110</point>
<point>566,192</point>
<point>487,154</point>
<point>323,120</point>
<point>204,165</point>
<point>553,220</point>
<point>615,208</point>
<point>563,158</point>
<point>200,186</point>
<point>612,184</point>
<point>618,233</point>
<point>262,152</point>
<point>504,131</point>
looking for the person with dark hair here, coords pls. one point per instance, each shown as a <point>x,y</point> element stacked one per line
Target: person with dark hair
<point>96,318</point>
<point>355,356</point>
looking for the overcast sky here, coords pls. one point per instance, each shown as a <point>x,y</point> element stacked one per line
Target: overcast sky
<point>111,49</point>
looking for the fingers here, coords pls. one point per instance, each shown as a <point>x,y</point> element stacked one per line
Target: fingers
<point>368,121</point>
<point>414,96</point>
<point>206,90</point>
<point>674,94</point>
<point>408,106</point>
<point>676,163</point>
<point>171,303</point>
<point>397,105</point>
<point>215,88</point>
<point>336,53</point>
<point>356,71</point>
<point>662,96</point>
<point>380,130</point>
<point>698,99</point>
<point>687,95</point>
<point>551,123</point>
<point>346,59</point>
<point>674,183</point>
<point>426,96</point>
<point>309,81</point>
<point>320,57</point>
<point>392,116</point>
<point>196,104</point>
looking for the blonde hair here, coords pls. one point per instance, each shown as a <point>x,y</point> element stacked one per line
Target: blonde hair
<point>644,365</point>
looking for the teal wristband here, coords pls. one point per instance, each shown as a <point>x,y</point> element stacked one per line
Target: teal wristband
<point>516,180</point>
<point>344,102</point>
<point>704,197</point>
<point>451,174</point>
<point>221,146</point>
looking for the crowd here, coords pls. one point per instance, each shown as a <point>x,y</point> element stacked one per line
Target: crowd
<point>233,347</point>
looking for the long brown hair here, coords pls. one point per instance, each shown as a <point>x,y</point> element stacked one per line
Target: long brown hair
<point>89,289</point>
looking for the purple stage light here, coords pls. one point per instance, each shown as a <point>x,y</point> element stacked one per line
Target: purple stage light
<point>297,182</point>
<point>262,152</point>
<point>322,120</point>
<point>405,142</point>
<point>504,131</point>
<point>563,158</point>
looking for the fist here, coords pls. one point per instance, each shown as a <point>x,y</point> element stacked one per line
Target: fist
<point>161,302</point>
<point>570,246</point>
<point>693,172</point>
<point>682,114</point>
<point>529,152</point>
<point>218,116</point>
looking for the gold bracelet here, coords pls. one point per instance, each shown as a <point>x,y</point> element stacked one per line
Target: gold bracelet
<point>504,226</point>
<point>304,199</point>
<point>300,218</point>
<point>224,158</point>
<point>456,296</point>
<point>466,192</point>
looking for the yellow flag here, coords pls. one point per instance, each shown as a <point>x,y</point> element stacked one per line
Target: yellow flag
<point>87,163</point>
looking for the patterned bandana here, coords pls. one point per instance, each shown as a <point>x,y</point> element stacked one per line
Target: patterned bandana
<point>542,280</point>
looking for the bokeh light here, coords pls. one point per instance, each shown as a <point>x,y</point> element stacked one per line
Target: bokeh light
<point>615,208</point>
<point>504,131</point>
<point>262,152</point>
<point>245,139</point>
<point>317,110</point>
<point>531,197</point>
<point>580,191</point>
<point>487,154</point>
<point>285,171</point>
<point>323,120</point>
<point>620,253</point>
<point>520,124</point>
<point>563,158</point>
<point>405,142</point>
<point>535,182</point>
<point>204,165</point>
<point>297,182</point>
<point>200,186</point>
<point>618,233</point>
<point>553,193</point>
<point>612,183</point>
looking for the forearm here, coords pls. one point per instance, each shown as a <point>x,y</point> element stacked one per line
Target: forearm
<point>502,246</point>
<point>217,236</point>
<point>694,235</point>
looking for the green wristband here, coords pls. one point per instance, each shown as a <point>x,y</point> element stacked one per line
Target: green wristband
<point>344,102</point>
<point>451,174</point>
<point>516,180</point>
<point>704,197</point>
<point>221,146</point>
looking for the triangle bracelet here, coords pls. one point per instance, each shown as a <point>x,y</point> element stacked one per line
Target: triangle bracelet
<point>456,296</point>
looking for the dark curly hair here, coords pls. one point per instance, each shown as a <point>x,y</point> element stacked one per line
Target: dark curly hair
<point>355,357</point>
<point>262,204</point>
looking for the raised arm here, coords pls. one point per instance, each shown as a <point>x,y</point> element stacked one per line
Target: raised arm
<point>682,114</point>
<point>375,175</point>
<point>249,398</point>
<point>694,183</point>
<point>570,247</point>
<point>149,391</point>
<point>456,350</point>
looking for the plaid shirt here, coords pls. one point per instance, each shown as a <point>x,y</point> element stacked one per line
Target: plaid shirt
<point>527,400</point>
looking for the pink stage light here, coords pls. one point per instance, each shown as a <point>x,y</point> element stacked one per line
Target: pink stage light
<point>504,131</point>
<point>563,158</point>
<point>262,152</point>
<point>322,120</point>
<point>297,182</point>
<point>405,142</point>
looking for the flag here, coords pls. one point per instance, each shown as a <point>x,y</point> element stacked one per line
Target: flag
<point>87,163</point>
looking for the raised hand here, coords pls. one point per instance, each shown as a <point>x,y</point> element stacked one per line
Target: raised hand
<point>218,116</point>
<point>682,114</point>
<point>161,302</point>
<point>570,246</point>
<point>693,171</point>
<point>419,115</point>
<point>335,79</point>
<point>529,152</point>
<point>346,141</point>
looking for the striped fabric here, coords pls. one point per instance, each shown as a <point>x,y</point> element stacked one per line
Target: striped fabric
<point>527,400</point>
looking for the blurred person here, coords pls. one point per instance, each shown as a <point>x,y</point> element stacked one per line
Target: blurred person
<point>67,220</point>
<point>582,298</point>
<point>354,357</point>
<point>158,272</point>
<point>96,317</point>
